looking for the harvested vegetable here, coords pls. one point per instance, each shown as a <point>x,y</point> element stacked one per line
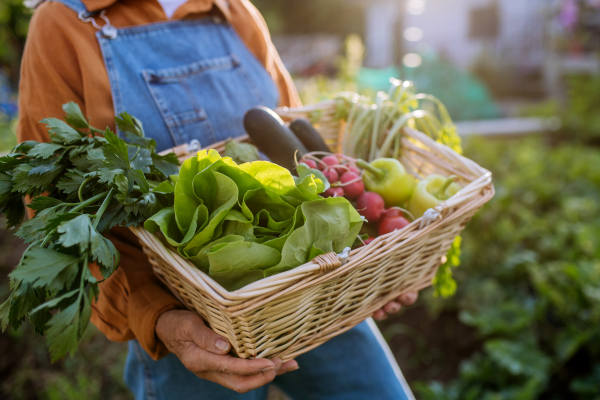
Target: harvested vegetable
<point>352,184</point>
<point>334,192</point>
<point>272,137</point>
<point>310,163</point>
<point>388,177</point>
<point>370,205</point>
<point>308,135</point>
<point>92,184</point>
<point>392,212</point>
<point>241,152</point>
<point>331,175</point>
<point>374,126</point>
<point>240,223</point>
<point>391,224</point>
<point>430,192</point>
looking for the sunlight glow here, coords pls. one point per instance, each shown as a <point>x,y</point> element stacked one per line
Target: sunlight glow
<point>412,60</point>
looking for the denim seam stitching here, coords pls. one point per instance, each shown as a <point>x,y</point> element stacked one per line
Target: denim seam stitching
<point>148,383</point>
<point>163,110</point>
<point>113,77</point>
<point>231,64</point>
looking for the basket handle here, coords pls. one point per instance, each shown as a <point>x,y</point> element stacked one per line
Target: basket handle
<point>330,261</point>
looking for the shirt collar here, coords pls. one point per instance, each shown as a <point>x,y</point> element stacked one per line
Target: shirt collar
<point>198,5</point>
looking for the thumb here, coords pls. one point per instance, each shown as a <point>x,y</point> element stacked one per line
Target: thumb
<point>205,338</point>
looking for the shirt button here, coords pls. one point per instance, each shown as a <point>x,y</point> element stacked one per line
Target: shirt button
<point>216,20</point>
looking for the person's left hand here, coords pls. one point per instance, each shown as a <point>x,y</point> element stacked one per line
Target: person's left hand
<point>405,299</point>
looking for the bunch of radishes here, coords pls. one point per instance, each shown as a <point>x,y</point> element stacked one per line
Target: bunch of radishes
<point>342,173</point>
<point>345,179</point>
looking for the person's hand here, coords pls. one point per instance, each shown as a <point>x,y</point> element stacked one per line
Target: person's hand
<point>205,353</point>
<point>405,299</point>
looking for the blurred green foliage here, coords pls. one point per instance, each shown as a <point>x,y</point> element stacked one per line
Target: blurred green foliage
<point>580,117</point>
<point>577,111</point>
<point>8,134</point>
<point>14,23</point>
<point>93,373</point>
<point>530,277</point>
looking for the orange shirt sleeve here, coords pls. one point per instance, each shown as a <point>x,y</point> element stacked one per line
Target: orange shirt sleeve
<point>49,77</point>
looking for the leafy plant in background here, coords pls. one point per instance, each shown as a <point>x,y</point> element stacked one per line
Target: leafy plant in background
<point>530,281</point>
<point>8,136</point>
<point>577,112</point>
<point>14,23</point>
<point>580,117</point>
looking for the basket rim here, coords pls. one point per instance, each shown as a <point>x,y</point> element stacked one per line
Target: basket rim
<point>298,278</point>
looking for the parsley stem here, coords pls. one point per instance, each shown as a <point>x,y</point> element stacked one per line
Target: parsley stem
<point>94,131</point>
<point>80,191</point>
<point>82,281</point>
<point>103,207</point>
<point>47,238</point>
<point>88,201</point>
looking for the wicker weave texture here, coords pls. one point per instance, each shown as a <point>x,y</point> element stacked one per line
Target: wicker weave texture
<point>290,313</point>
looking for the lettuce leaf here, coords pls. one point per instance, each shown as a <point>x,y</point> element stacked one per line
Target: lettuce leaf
<point>241,223</point>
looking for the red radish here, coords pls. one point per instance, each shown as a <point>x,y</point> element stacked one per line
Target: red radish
<point>331,175</point>
<point>354,189</point>
<point>333,192</point>
<point>352,168</point>
<point>366,241</point>
<point>329,160</point>
<point>370,205</point>
<point>392,213</point>
<point>388,225</point>
<point>311,163</point>
<point>341,167</point>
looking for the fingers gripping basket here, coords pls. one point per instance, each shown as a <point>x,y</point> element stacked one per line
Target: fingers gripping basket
<point>293,312</point>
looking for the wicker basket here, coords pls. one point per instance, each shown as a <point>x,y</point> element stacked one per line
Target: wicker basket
<point>285,315</point>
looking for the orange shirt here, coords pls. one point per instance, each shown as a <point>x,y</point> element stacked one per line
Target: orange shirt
<point>62,62</point>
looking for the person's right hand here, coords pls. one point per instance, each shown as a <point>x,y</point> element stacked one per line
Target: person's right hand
<point>205,353</point>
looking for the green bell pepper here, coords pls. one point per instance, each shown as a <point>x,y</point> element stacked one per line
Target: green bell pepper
<point>388,178</point>
<point>430,192</point>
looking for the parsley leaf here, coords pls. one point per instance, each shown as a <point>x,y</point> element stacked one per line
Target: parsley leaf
<point>74,116</point>
<point>115,152</point>
<point>63,331</point>
<point>60,131</point>
<point>44,150</point>
<point>42,202</point>
<point>71,182</point>
<point>41,267</point>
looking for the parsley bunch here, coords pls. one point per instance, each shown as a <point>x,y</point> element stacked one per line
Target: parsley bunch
<point>81,185</point>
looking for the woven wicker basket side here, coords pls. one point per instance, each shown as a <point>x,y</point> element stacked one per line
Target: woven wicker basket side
<point>292,324</point>
<point>290,313</point>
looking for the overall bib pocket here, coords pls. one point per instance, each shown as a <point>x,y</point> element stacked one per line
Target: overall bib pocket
<point>194,99</point>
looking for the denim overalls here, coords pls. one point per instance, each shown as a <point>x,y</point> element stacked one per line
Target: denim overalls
<point>185,80</point>
<point>195,79</point>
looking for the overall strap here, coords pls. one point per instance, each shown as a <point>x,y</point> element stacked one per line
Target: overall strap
<point>84,15</point>
<point>75,5</point>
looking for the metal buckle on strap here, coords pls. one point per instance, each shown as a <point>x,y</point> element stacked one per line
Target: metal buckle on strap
<point>109,31</point>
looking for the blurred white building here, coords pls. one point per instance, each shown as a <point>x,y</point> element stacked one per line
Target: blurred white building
<point>461,30</point>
